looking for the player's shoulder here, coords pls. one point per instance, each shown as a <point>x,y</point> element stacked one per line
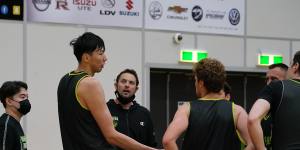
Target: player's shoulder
<point>89,81</point>
<point>238,108</point>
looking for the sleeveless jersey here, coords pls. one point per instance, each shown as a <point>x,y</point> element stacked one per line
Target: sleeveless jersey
<point>211,126</point>
<point>79,130</point>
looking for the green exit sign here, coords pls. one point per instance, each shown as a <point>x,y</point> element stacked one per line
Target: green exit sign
<point>268,59</point>
<point>192,56</point>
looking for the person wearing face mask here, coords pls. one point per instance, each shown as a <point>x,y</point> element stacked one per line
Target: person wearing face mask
<point>129,117</point>
<point>14,97</point>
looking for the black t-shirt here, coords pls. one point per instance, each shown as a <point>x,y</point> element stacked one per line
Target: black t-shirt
<point>284,99</point>
<point>272,93</point>
<point>266,124</point>
<point>11,134</point>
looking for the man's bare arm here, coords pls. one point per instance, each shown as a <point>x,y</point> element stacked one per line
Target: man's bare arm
<point>177,126</point>
<point>91,95</point>
<point>241,124</point>
<point>259,110</point>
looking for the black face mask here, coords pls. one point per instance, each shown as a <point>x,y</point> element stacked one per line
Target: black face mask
<point>25,107</point>
<point>124,100</point>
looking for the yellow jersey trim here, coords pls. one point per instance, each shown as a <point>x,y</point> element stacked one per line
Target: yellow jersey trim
<point>234,118</point>
<point>76,73</point>
<point>235,124</point>
<point>295,81</point>
<point>78,100</point>
<point>214,99</point>
<point>189,108</point>
<point>240,137</point>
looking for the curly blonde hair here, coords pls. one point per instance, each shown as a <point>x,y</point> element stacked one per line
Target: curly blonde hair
<point>212,73</point>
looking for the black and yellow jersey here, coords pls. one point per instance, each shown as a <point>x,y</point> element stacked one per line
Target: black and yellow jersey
<point>79,130</point>
<point>211,126</point>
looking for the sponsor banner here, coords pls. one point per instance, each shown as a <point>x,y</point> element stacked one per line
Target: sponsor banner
<point>206,16</point>
<point>11,9</point>
<point>124,13</point>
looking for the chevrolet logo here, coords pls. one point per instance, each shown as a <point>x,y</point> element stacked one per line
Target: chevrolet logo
<point>177,9</point>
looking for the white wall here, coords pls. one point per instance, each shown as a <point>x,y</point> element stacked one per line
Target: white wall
<point>11,48</point>
<point>296,47</point>
<point>273,18</point>
<point>160,47</point>
<point>271,25</point>
<point>49,58</point>
<point>230,50</point>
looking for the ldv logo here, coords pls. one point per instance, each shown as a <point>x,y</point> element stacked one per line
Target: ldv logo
<point>129,4</point>
<point>107,12</point>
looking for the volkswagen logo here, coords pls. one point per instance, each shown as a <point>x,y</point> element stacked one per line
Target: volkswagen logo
<point>234,16</point>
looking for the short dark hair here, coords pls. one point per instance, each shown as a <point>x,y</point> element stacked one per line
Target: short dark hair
<point>86,43</point>
<point>10,88</point>
<point>279,65</point>
<point>227,88</point>
<point>212,73</point>
<point>130,71</point>
<point>296,59</point>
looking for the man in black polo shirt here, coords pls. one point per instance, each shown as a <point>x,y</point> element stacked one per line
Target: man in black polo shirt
<point>281,98</point>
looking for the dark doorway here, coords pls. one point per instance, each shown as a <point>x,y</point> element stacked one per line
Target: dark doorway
<point>169,87</point>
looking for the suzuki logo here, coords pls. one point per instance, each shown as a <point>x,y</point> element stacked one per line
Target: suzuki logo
<point>129,5</point>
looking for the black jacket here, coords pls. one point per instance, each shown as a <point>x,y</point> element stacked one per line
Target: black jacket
<point>135,122</point>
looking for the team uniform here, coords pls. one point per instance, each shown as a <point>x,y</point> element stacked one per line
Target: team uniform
<point>79,130</point>
<point>211,126</point>
<point>11,134</point>
<point>134,122</point>
<point>266,125</point>
<point>284,99</point>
